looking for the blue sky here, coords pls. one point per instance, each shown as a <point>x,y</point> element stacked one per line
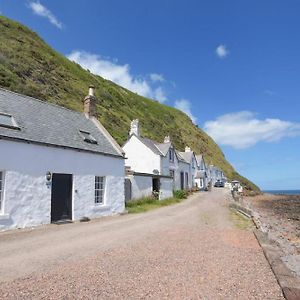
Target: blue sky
<point>233,66</point>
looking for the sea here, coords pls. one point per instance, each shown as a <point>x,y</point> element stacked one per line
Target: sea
<point>283,192</point>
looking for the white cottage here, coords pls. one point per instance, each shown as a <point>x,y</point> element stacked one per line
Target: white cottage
<point>216,174</point>
<point>153,165</point>
<point>56,164</point>
<point>201,177</point>
<point>190,168</point>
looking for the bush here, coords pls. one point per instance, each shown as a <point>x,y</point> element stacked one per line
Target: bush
<point>180,194</point>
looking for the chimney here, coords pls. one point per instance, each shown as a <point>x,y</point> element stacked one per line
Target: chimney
<point>90,103</point>
<point>187,149</point>
<point>134,127</point>
<point>167,139</point>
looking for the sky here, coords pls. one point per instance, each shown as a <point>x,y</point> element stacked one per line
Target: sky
<point>233,66</point>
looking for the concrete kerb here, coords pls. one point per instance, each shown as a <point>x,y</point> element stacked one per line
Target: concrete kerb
<point>289,284</point>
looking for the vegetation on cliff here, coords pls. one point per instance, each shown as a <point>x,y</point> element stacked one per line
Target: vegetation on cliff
<point>29,66</point>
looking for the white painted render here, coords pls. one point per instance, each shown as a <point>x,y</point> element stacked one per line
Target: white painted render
<point>142,159</point>
<point>139,157</point>
<point>185,168</point>
<point>166,188</point>
<point>27,196</point>
<point>141,186</point>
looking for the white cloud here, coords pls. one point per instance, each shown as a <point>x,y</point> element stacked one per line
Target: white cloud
<point>117,73</point>
<point>160,95</point>
<point>242,130</point>
<point>222,51</point>
<point>185,106</point>
<point>43,11</point>
<point>157,77</point>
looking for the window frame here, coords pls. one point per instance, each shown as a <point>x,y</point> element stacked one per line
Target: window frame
<point>87,137</point>
<point>171,155</point>
<point>2,190</point>
<point>187,179</point>
<point>99,189</point>
<point>14,124</point>
<point>172,174</point>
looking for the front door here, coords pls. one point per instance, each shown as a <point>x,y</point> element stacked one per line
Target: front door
<point>61,197</point>
<point>155,185</point>
<point>182,180</point>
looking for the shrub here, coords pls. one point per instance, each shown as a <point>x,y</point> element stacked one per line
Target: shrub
<point>180,194</point>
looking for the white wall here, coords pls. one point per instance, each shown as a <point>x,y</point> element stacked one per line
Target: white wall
<point>183,167</point>
<point>166,188</point>
<point>141,186</point>
<point>139,157</point>
<point>167,165</point>
<point>193,171</point>
<point>27,197</point>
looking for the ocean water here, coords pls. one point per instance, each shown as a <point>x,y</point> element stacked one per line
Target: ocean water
<point>283,192</point>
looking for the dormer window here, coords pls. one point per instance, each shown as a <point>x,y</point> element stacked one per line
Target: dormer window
<point>87,137</point>
<point>171,155</point>
<point>7,121</point>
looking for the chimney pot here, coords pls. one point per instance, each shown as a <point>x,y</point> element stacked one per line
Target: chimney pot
<point>135,127</point>
<point>91,90</point>
<point>167,139</point>
<point>90,103</point>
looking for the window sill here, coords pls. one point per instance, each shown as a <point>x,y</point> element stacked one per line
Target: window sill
<point>4,217</point>
<point>101,207</point>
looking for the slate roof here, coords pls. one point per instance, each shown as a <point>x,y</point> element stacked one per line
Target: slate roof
<point>164,147</point>
<point>199,158</point>
<point>44,123</point>
<point>151,144</point>
<point>157,148</point>
<point>180,158</point>
<point>187,156</point>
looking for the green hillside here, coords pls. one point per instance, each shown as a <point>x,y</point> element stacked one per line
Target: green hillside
<point>29,66</point>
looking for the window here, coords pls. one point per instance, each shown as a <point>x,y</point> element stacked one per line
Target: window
<point>171,155</point>
<point>87,137</point>
<point>99,189</point>
<point>172,174</point>
<point>8,121</point>
<point>1,190</point>
<point>186,180</point>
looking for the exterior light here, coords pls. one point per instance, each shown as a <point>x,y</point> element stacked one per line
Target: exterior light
<point>48,176</point>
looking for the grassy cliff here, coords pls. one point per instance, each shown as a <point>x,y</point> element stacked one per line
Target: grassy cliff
<point>29,66</point>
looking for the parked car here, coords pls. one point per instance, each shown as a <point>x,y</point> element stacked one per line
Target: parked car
<point>219,183</point>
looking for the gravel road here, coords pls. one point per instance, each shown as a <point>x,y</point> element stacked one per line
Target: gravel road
<point>191,250</point>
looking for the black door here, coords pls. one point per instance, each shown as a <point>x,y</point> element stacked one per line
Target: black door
<point>155,185</point>
<point>61,197</point>
<point>182,180</point>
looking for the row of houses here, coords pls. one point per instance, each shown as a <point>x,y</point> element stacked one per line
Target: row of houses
<point>57,164</point>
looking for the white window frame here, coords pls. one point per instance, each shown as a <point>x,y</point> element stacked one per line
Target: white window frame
<point>171,155</point>
<point>2,192</point>
<point>172,174</point>
<point>99,190</point>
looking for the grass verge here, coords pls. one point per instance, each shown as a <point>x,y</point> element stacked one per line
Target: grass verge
<point>240,221</point>
<point>148,203</point>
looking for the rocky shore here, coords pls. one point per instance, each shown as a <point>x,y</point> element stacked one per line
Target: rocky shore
<point>279,218</point>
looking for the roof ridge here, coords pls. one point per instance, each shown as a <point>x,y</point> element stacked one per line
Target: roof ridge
<point>41,101</point>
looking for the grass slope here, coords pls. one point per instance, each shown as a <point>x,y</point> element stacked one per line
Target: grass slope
<point>29,66</point>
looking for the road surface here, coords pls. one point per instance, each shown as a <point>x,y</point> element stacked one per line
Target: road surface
<point>196,249</point>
